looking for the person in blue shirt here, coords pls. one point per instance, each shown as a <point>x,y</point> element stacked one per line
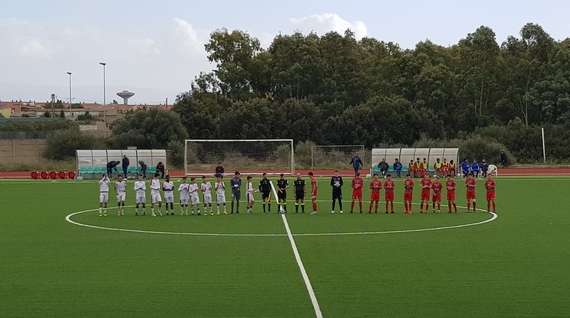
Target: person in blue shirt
<point>475,169</point>
<point>397,167</point>
<point>356,163</point>
<point>465,167</point>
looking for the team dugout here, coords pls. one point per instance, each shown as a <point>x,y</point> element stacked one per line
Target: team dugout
<point>94,163</point>
<point>405,155</point>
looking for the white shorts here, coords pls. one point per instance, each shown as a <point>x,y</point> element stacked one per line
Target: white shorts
<point>155,196</point>
<point>103,197</point>
<point>207,198</point>
<point>121,196</point>
<point>195,199</point>
<point>169,196</point>
<point>184,199</point>
<point>140,197</point>
<point>220,198</point>
<point>250,197</point>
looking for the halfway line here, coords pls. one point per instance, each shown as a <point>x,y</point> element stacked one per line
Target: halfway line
<point>314,301</point>
<point>308,285</point>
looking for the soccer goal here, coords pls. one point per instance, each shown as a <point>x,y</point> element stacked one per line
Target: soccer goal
<point>335,156</point>
<point>249,156</point>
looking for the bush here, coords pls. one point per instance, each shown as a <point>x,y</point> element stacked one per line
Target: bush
<point>479,148</point>
<point>175,150</point>
<point>63,144</point>
<point>303,154</point>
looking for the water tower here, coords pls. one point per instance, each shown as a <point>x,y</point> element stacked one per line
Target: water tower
<point>125,95</point>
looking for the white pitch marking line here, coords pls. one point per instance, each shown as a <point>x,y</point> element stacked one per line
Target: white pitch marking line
<point>310,290</point>
<point>69,219</point>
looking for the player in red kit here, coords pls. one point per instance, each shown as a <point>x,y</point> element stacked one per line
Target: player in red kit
<point>314,192</point>
<point>490,186</point>
<point>357,184</point>
<point>470,184</point>
<point>389,193</point>
<point>408,192</point>
<point>426,191</point>
<point>436,194</point>
<point>375,186</point>
<point>450,185</point>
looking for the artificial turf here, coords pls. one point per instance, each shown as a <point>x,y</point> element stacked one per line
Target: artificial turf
<point>516,266</point>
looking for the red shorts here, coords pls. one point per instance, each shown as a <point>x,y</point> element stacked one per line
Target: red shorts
<point>408,196</point>
<point>436,197</point>
<point>314,195</point>
<point>450,196</point>
<point>425,195</point>
<point>389,196</point>
<point>375,196</point>
<point>470,195</point>
<point>491,196</point>
<point>357,194</point>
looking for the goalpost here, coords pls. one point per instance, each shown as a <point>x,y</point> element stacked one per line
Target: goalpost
<point>335,156</point>
<point>249,156</point>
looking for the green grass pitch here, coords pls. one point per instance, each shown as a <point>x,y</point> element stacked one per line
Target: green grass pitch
<point>515,266</point>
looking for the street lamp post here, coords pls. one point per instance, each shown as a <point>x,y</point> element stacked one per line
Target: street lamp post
<point>104,64</point>
<point>69,73</point>
<point>104,97</point>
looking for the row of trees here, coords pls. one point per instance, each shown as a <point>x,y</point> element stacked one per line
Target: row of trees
<point>334,89</point>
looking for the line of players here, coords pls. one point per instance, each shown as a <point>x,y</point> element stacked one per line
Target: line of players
<point>189,194</point>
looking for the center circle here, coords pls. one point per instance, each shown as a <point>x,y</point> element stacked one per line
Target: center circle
<point>274,229</point>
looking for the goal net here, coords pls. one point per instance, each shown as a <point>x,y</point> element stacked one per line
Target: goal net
<point>249,156</point>
<point>336,156</point>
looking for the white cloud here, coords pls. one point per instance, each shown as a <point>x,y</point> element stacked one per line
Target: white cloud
<point>326,22</point>
<point>34,48</point>
<point>187,34</point>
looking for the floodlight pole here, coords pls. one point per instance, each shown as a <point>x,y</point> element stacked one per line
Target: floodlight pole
<point>543,146</point>
<point>104,64</point>
<point>69,73</point>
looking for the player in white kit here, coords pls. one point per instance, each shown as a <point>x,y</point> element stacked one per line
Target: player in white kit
<point>168,188</point>
<point>140,195</point>
<point>249,194</point>
<point>103,195</point>
<point>206,188</point>
<point>194,196</point>
<point>121,189</point>
<point>220,194</point>
<point>184,190</point>
<point>155,198</point>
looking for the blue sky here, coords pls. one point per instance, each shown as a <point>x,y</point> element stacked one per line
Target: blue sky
<point>155,48</point>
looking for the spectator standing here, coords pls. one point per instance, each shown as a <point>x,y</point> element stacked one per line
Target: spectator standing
<point>484,168</point>
<point>356,163</point>
<point>503,158</point>
<point>143,168</point>
<point>125,165</point>
<point>160,169</point>
<point>220,170</point>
